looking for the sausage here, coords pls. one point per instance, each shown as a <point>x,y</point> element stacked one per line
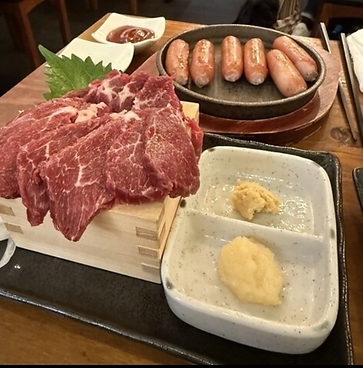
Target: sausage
<point>305,64</point>
<point>176,61</point>
<point>202,64</point>
<point>285,75</point>
<point>254,61</point>
<point>231,58</point>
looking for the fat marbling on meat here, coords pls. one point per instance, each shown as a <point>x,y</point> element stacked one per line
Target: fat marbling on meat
<point>29,125</point>
<point>31,156</point>
<point>140,147</point>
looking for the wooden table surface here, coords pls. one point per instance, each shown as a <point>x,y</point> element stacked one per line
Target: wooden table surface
<point>32,335</point>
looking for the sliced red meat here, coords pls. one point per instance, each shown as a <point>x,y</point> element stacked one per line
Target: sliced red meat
<point>125,98</point>
<point>75,180</point>
<point>169,153</point>
<point>103,90</point>
<point>32,189</point>
<point>157,91</point>
<point>127,176</point>
<point>143,153</point>
<point>196,135</point>
<point>32,124</point>
<point>157,157</point>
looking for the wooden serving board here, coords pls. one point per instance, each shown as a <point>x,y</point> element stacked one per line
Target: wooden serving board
<point>128,239</point>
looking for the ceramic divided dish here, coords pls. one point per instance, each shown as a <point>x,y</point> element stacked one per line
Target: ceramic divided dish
<point>116,20</point>
<point>302,236</point>
<point>3,231</point>
<point>120,56</point>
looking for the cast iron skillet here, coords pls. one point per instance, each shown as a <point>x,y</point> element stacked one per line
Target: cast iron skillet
<point>240,100</point>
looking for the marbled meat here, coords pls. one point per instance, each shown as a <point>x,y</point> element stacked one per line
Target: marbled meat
<point>123,139</point>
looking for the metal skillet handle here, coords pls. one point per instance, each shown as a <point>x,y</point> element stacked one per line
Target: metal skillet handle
<point>358,182</point>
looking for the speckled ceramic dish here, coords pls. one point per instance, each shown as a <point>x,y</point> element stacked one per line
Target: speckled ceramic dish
<point>240,100</point>
<point>116,20</point>
<point>302,236</point>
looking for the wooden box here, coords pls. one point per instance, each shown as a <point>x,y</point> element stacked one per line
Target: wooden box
<point>128,239</point>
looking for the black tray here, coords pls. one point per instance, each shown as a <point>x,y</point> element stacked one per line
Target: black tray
<point>138,309</point>
<point>358,183</point>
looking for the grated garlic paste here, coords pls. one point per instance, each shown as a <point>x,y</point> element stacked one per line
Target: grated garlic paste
<point>249,270</point>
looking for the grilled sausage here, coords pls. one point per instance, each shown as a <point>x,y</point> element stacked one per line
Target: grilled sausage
<point>285,75</point>
<point>254,61</point>
<point>202,65</point>
<point>176,61</point>
<point>231,58</point>
<point>305,64</point>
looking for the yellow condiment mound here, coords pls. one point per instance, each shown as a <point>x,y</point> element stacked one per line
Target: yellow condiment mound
<point>249,198</point>
<point>249,270</point>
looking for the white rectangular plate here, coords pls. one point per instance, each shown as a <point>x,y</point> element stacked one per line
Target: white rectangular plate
<point>119,55</point>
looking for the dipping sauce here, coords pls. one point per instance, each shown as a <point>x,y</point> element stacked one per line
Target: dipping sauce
<point>131,34</point>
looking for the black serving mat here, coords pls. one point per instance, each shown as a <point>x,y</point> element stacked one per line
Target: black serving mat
<point>138,309</point>
<point>358,183</point>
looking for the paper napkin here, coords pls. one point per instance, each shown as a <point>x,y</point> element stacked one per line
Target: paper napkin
<point>355,45</point>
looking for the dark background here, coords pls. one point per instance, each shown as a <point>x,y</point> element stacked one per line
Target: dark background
<point>15,65</point>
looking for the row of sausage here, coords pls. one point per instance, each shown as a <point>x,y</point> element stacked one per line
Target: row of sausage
<point>287,63</point>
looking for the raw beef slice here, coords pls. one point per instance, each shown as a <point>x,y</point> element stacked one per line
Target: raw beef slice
<point>170,156</point>
<point>31,124</point>
<point>103,90</point>
<point>31,186</point>
<point>75,180</point>
<point>152,159</point>
<point>125,98</point>
<point>126,174</point>
<point>157,92</point>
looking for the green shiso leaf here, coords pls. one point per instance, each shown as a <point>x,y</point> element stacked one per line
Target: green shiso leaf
<point>64,74</point>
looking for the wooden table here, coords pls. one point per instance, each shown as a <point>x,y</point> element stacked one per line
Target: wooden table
<point>32,335</point>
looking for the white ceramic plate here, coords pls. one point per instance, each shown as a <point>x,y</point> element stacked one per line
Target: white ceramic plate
<point>120,56</point>
<point>302,236</point>
<point>116,20</point>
